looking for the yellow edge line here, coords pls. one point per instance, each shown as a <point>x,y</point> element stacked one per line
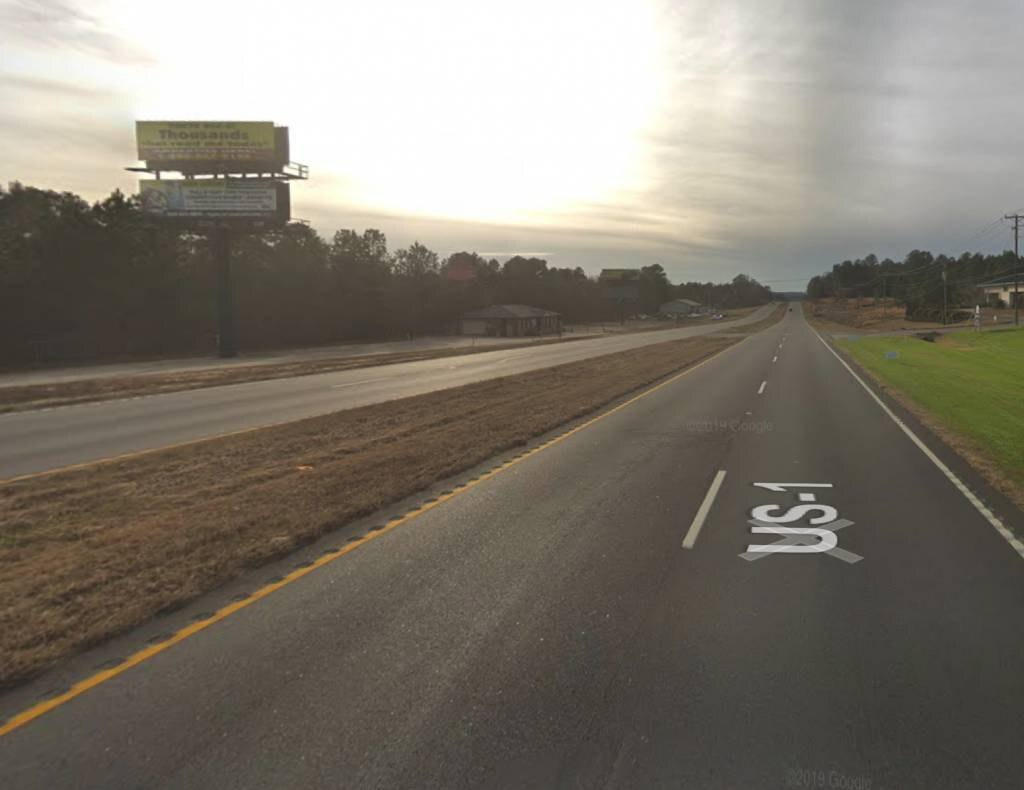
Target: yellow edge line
<point>37,710</point>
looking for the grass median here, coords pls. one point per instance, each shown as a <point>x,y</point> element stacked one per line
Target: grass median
<point>89,553</point>
<point>967,386</point>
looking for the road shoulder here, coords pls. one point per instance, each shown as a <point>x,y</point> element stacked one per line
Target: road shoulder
<point>978,472</point>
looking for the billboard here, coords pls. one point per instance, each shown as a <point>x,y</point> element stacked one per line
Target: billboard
<point>620,284</point>
<point>222,142</point>
<point>619,275</point>
<point>220,199</point>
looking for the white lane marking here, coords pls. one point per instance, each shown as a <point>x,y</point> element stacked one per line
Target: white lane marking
<point>775,358</point>
<point>362,381</point>
<point>798,541</point>
<point>988,515</point>
<point>785,486</point>
<point>827,540</point>
<point>702,512</point>
<point>760,390</point>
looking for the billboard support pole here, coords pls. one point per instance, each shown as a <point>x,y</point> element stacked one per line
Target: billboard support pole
<point>247,190</point>
<point>227,345</point>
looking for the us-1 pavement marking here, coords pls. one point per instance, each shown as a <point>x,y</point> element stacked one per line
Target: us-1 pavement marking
<point>820,538</point>
<point>702,512</point>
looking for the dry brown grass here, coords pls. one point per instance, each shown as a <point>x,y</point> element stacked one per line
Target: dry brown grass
<point>863,315</point>
<point>88,553</point>
<point>38,396</point>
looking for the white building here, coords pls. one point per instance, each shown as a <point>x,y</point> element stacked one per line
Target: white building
<point>1001,290</point>
<point>679,308</point>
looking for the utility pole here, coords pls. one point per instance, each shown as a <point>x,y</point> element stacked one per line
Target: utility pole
<point>227,345</point>
<point>1016,267</point>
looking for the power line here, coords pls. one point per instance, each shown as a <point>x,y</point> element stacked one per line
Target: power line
<point>993,225</point>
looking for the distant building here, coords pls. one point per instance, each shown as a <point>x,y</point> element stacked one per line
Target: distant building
<point>1001,290</point>
<point>679,308</point>
<point>510,320</point>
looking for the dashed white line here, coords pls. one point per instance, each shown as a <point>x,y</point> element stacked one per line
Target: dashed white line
<point>987,514</point>
<point>760,390</point>
<point>775,358</point>
<point>702,513</point>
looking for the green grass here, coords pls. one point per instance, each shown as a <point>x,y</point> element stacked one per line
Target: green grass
<point>972,383</point>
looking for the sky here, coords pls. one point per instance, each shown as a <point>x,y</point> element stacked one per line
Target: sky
<point>771,137</point>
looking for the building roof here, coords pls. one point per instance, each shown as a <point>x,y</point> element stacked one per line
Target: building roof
<point>1003,281</point>
<point>685,304</point>
<point>509,311</point>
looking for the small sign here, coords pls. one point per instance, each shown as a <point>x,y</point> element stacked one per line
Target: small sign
<point>892,354</point>
<point>216,198</point>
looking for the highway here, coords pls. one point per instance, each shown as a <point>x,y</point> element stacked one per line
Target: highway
<point>546,626</point>
<point>38,441</point>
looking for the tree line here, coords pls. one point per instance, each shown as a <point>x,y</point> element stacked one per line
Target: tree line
<point>81,280</point>
<point>916,281</point>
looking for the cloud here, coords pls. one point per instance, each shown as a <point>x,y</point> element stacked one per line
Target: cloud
<point>803,132</point>
<point>63,25</point>
<point>784,136</point>
<point>42,89</point>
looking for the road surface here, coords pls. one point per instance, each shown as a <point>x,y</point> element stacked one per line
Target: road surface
<point>545,627</point>
<point>37,441</point>
<point>57,375</point>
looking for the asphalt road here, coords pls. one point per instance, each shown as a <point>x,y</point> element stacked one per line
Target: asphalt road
<point>58,375</point>
<point>546,628</point>
<point>38,441</point>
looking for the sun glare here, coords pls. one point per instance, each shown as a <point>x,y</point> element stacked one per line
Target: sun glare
<point>468,110</point>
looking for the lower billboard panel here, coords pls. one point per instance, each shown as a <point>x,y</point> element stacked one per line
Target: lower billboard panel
<point>218,201</point>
